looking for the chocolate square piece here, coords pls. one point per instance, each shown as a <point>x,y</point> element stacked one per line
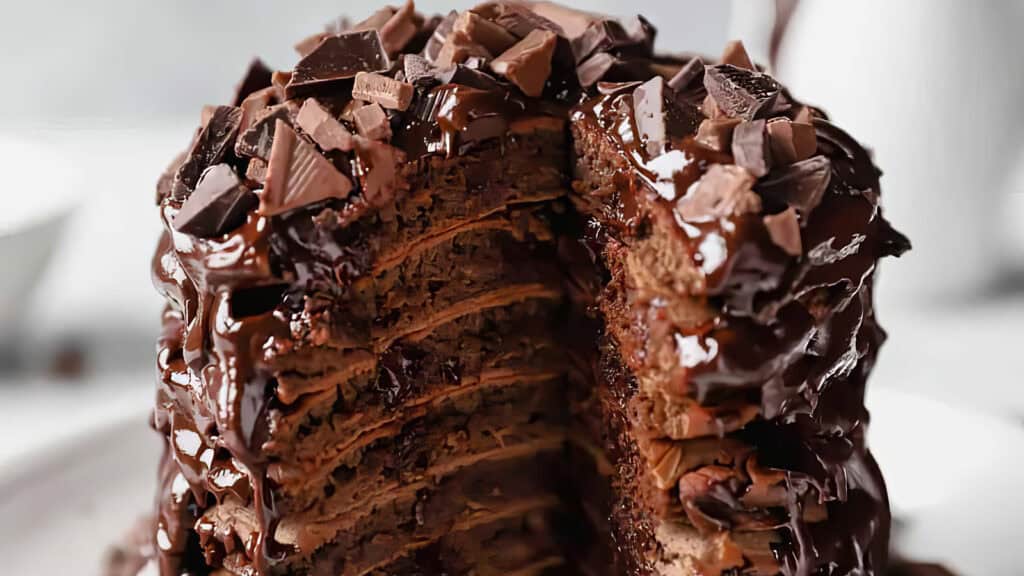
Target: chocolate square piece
<point>740,93</point>
<point>528,63</point>
<point>339,58</point>
<point>214,141</point>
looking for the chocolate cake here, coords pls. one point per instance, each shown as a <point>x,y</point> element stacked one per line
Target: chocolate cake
<point>507,292</point>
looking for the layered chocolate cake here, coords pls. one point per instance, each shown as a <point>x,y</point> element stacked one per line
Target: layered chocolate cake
<point>507,292</point>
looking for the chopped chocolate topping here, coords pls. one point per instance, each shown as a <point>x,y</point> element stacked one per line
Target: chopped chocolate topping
<point>306,46</point>
<point>279,80</point>
<point>387,92</point>
<point>784,230</point>
<point>740,93</point>
<point>254,104</point>
<point>339,58</point>
<point>466,76</point>
<point>528,63</point>
<point>377,167</point>
<point>484,32</point>
<point>257,77</point>
<point>724,191</point>
<point>749,148</point>
<point>257,140</point>
<point>433,48</point>
<point>372,122</point>
<point>256,173</point>
<point>166,180</point>
<point>691,73</point>
<point>607,88</point>
<point>641,31</point>
<point>600,36</point>
<point>595,68</point>
<point>214,141</point>
<point>418,71</point>
<point>717,133</point>
<point>218,204</point>
<point>649,103</point>
<point>735,54</point>
<point>791,141</point>
<point>573,22</point>
<point>459,47</point>
<point>800,185</point>
<point>323,128</point>
<point>298,175</point>
<point>518,19</point>
<point>396,27</point>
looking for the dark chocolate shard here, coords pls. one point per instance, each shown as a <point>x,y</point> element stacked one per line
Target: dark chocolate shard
<point>257,77</point>
<point>601,35</point>
<point>433,48</point>
<point>528,63</point>
<point>791,141</point>
<point>298,175</point>
<point>305,46</point>
<point>254,104</point>
<point>641,31</point>
<point>322,127</point>
<point>165,183</point>
<point>214,141</point>
<point>466,76</point>
<point>784,230</point>
<point>750,148</point>
<point>258,139</point>
<point>649,114</point>
<point>800,185</point>
<point>690,74</point>
<point>377,167</point>
<point>339,58</point>
<point>724,191</point>
<point>740,93</point>
<point>218,204</point>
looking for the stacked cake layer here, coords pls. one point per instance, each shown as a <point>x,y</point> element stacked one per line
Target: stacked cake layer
<point>503,292</point>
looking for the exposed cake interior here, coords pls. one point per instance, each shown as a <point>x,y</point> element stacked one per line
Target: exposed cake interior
<point>504,292</point>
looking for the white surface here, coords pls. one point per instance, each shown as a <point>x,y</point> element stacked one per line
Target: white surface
<point>61,509</point>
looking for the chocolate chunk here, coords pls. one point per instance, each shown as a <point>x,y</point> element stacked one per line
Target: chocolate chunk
<point>258,139</point>
<point>418,70</point>
<point>466,76</point>
<point>213,142</point>
<point>257,77</point>
<point>457,48</point>
<point>433,48</point>
<point>484,32</point>
<point>650,116</point>
<point>254,104</point>
<point>256,173</point>
<point>528,63</point>
<point>740,93</point>
<point>298,175</point>
<point>725,190</point>
<point>717,133</point>
<point>609,68</point>
<point>600,36</point>
<point>339,58</point>
<point>518,19</point>
<point>377,166</point>
<point>572,22</point>
<point>387,92</point>
<point>218,204</point>
<point>750,148</point>
<point>323,128</point>
<point>641,31</point>
<point>279,80</point>
<point>166,180</point>
<point>784,230</point>
<point>710,109</point>
<point>396,27</point>
<point>372,122</point>
<point>595,68</point>
<point>305,46</point>
<point>735,54</point>
<point>791,141</point>
<point>689,74</point>
<point>801,185</point>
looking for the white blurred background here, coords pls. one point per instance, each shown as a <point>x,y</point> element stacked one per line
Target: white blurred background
<point>99,95</point>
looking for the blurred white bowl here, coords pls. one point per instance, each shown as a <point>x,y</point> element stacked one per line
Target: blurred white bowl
<point>37,201</point>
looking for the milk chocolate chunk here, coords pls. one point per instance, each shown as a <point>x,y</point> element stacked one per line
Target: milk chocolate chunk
<point>339,58</point>
<point>484,32</point>
<point>396,27</point>
<point>372,122</point>
<point>600,36</point>
<point>735,54</point>
<point>377,167</point>
<point>298,175</point>
<point>725,190</point>
<point>791,141</point>
<point>279,80</point>
<point>800,185</point>
<point>750,149</point>
<point>257,77</point>
<point>784,230</point>
<point>322,127</point>
<point>458,48</point>
<point>257,140</point>
<point>218,204</point>
<point>433,48</point>
<point>740,93</point>
<point>717,133</point>
<point>573,22</point>
<point>256,173</point>
<point>518,19</point>
<point>213,142</point>
<point>688,75</point>
<point>649,113</point>
<point>528,63</point>
<point>387,92</point>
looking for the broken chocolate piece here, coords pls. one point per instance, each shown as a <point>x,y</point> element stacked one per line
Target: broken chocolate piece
<point>279,80</point>
<point>257,77</point>
<point>372,122</point>
<point>573,22</point>
<point>649,113</point>
<point>800,185</point>
<point>254,104</point>
<point>457,48</point>
<point>750,149</point>
<point>418,70</point>
<point>466,76</point>
<point>339,58</point>
<point>484,32</point>
<point>608,88</point>
<point>377,167</point>
<point>528,63</point>
<point>218,204</point>
<point>323,128</point>
<point>689,74</point>
<point>213,142</point>
<point>400,28</point>
<point>725,190</point>
<point>600,36</point>
<point>306,46</point>
<point>791,141</point>
<point>735,54</point>
<point>387,92</point>
<point>258,139</point>
<point>298,175</point>
<point>740,93</point>
<point>166,180</point>
<point>433,48</point>
<point>717,133</point>
<point>256,173</point>
<point>641,31</point>
<point>784,230</point>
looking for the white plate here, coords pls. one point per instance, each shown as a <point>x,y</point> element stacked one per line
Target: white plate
<point>952,478</point>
